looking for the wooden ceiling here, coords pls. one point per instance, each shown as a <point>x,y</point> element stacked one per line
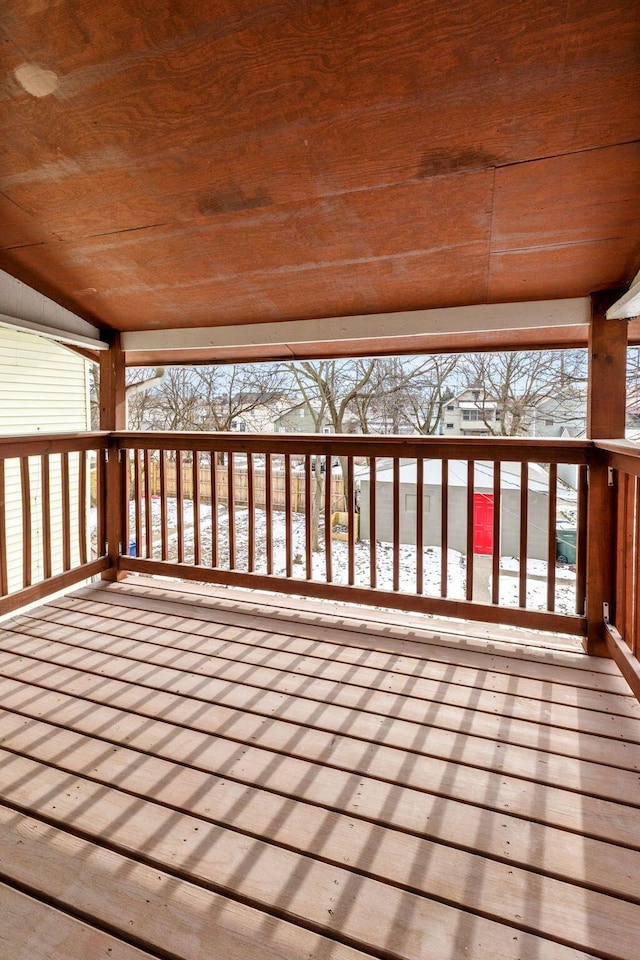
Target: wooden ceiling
<point>170,163</point>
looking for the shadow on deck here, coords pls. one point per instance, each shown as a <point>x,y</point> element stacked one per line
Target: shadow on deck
<point>190,775</point>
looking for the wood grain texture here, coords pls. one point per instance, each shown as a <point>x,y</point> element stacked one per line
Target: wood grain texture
<point>271,823</point>
<point>278,161</point>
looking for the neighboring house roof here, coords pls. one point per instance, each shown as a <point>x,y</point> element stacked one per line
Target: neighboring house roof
<point>483,475</point>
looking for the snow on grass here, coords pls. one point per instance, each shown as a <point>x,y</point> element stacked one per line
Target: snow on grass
<point>456,562</point>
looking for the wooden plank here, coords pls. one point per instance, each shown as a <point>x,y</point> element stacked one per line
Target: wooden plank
<point>461,609</point>
<point>66,512</point>
<point>536,449</point>
<point>396,524</point>
<point>523,750</point>
<point>60,582</point>
<point>82,507</point>
<point>495,547</point>
<point>101,500</point>
<point>409,807</point>
<point>164,524</point>
<point>113,416</point>
<point>31,928</point>
<point>273,628</point>
<point>25,492</point>
<point>328,506</point>
<point>197,501</point>
<point>251,520</point>
<point>581,544</point>
<point>575,710</point>
<point>268,494</point>
<point>551,537</point>
<point>323,838</point>
<point>35,445</point>
<point>470,531</point>
<point>607,357</point>
<point>629,538</point>
<point>288,516</point>
<point>381,913</point>
<point>180,506</point>
<point>46,515</point>
<point>353,519</point>
<point>626,660</point>
<point>556,852</point>
<point>137,501</point>
<point>215,505</point>
<point>148,520</point>
<point>167,912</point>
<point>600,559</point>
<point>373,524</point>
<point>329,641</point>
<point>308,560</point>
<point>524,524</point>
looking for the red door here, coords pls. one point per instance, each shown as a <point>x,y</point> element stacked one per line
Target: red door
<point>482,522</point>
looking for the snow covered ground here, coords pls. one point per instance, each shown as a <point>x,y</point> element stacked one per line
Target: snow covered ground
<point>456,562</point>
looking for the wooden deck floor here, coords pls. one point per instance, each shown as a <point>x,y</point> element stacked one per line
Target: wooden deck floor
<point>186,776</point>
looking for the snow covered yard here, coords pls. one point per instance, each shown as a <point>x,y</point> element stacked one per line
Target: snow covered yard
<point>456,562</point>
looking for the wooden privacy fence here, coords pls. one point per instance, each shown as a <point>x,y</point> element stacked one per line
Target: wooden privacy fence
<point>188,483</point>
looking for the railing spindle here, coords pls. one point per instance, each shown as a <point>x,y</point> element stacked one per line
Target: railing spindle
<point>25,487</point>
<point>396,523</point>
<point>352,520</point>
<point>82,505</point>
<point>328,480</point>
<point>125,487</point>
<point>496,532</point>
<point>180,506</point>
<point>66,513</point>
<point>288,517</point>
<point>137,502</point>
<point>164,520</point>
<point>308,508</point>
<point>444,530</point>
<point>524,522</point>
<point>629,566</point>
<point>581,540</point>
<point>373,520</point>
<point>231,508</point>
<point>470,526</point>
<point>45,483</point>
<point>419,526</point>
<point>552,524</point>
<point>251,520</point>
<point>101,503</point>
<point>148,520</point>
<point>633,639</point>
<point>268,497</point>
<point>215,500</point>
<point>197,497</point>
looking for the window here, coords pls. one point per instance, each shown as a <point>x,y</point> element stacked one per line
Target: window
<point>476,415</point>
<point>450,406</point>
<point>548,423</point>
<point>449,426</point>
<point>326,429</point>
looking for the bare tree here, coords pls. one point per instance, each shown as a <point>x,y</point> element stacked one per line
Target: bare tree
<point>512,385</point>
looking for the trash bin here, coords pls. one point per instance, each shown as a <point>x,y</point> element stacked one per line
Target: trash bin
<point>133,548</point>
<point>566,537</point>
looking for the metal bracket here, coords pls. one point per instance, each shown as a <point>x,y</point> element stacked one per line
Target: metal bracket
<point>605,612</point>
<point>610,476</point>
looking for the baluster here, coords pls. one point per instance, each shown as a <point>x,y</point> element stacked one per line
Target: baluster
<point>497,519</point>
<point>373,523</point>
<point>444,530</point>
<point>524,520</point>
<point>552,525</point>
<point>470,526</point>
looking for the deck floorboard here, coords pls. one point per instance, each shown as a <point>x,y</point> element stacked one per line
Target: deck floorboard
<point>179,780</point>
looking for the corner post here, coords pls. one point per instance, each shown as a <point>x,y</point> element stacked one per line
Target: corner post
<point>113,417</point>
<point>606,411</point>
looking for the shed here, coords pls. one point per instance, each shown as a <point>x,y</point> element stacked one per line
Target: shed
<point>538,486</point>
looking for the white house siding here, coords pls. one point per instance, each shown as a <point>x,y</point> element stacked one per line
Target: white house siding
<point>44,388</point>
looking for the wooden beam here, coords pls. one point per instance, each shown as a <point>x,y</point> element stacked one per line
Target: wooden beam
<point>606,401</point>
<point>113,417</point>
<point>628,305</point>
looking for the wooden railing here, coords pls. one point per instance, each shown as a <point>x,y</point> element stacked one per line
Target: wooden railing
<point>46,515</point>
<point>622,618</point>
<point>482,500</point>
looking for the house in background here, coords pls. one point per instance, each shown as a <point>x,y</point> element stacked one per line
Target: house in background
<point>471,414</point>
<point>300,419</point>
<point>44,388</point>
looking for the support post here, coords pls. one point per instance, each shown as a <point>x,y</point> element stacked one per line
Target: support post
<point>113,417</point>
<point>606,411</point>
